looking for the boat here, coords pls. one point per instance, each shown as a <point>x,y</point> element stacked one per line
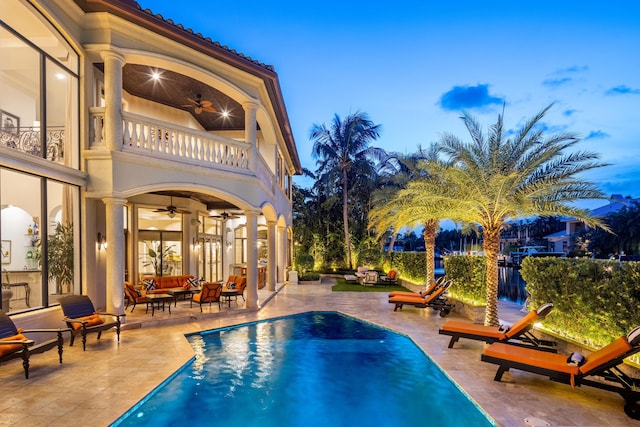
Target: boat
<point>516,257</point>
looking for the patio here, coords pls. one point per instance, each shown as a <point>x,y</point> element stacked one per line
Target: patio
<point>95,387</point>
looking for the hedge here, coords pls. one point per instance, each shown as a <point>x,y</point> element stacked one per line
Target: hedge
<point>411,265</point>
<point>594,301</point>
<point>468,274</point>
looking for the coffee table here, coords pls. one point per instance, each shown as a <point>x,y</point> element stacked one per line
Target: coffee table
<point>153,299</point>
<point>177,292</point>
<point>228,293</point>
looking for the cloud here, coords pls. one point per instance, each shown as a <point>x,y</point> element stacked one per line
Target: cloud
<point>468,97</point>
<point>597,134</point>
<point>556,82</point>
<point>622,90</point>
<point>561,77</point>
<point>574,69</point>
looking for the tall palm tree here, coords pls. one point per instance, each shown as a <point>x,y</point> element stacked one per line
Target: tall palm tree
<point>494,178</point>
<point>394,209</point>
<point>343,151</point>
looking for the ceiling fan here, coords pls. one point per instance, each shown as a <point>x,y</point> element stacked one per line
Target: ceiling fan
<point>225,215</point>
<point>171,210</point>
<point>199,105</point>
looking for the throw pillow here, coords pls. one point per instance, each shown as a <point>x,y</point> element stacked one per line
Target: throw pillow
<point>195,283</point>
<point>149,284</point>
<point>231,285</point>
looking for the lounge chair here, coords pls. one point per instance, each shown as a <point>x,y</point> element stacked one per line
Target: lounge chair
<point>421,294</point>
<point>82,318</point>
<point>14,344</point>
<point>209,293</point>
<point>601,364</point>
<point>435,300</point>
<point>518,334</point>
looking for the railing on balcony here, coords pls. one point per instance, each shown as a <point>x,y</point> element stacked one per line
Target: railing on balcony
<point>27,140</point>
<point>148,136</point>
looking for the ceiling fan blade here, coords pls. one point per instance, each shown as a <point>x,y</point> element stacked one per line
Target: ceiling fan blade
<point>197,110</point>
<point>162,210</point>
<point>205,103</point>
<point>209,109</point>
<point>193,101</point>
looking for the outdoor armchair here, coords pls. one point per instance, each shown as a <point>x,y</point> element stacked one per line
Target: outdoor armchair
<point>82,318</point>
<point>14,344</point>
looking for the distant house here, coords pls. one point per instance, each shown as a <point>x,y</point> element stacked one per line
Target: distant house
<point>563,241</point>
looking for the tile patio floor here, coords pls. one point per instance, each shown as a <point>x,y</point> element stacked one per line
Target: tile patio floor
<point>95,387</point>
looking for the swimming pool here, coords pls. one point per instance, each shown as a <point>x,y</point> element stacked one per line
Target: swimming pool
<point>311,369</point>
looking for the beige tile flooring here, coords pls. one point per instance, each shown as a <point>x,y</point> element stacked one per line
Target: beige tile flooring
<point>95,387</point>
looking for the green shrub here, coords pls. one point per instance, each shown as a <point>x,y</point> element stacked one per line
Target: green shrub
<point>468,274</point>
<point>594,301</point>
<point>304,262</point>
<point>311,275</point>
<point>412,266</point>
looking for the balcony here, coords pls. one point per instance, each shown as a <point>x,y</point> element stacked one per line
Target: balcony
<point>168,141</point>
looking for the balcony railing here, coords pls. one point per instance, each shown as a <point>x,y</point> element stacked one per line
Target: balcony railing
<point>161,139</point>
<point>27,140</point>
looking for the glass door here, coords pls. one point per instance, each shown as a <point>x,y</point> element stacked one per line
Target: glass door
<point>210,258</point>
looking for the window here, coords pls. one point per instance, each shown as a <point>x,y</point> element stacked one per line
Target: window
<point>38,232</point>
<point>39,87</point>
<point>159,244</point>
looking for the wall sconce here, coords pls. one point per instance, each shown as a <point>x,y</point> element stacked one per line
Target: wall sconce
<point>229,245</point>
<point>196,244</point>
<point>102,241</point>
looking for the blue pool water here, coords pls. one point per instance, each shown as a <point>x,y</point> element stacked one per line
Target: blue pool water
<point>313,369</point>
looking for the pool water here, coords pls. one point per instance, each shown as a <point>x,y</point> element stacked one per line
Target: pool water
<point>311,369</point>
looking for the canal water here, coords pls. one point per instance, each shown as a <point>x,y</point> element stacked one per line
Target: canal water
<point>511,286</point>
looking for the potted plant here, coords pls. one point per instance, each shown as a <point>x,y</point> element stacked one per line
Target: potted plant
<point>157,257</point>
<point>60,256</point>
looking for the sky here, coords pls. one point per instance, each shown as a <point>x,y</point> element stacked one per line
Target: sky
<point>415,66</point>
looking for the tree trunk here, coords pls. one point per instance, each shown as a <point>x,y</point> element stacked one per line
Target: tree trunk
<point>429,235</point>
<point>345,217</point>
<point>392,242</point>
<point>491,248</point>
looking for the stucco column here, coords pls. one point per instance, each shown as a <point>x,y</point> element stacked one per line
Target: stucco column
<point>250,131</point>
<point>282,254</point>
<point>252,258</point>
<point>272,256</point>
<point>113,63</point>
<point>115,253</point>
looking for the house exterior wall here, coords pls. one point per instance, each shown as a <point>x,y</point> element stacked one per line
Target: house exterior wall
<point>116,170</point>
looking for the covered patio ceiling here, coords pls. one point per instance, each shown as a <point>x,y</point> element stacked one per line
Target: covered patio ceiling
<point>220,112</point>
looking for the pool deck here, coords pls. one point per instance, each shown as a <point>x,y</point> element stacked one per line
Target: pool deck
<point>95,387</point>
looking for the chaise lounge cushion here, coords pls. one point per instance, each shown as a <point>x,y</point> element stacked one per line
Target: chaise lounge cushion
<point>10,348</point>
<point>92,320</point>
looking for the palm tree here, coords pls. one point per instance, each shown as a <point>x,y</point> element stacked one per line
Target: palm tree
<point>343,152</point>
<point>393,210</point>
<point>494,178</point>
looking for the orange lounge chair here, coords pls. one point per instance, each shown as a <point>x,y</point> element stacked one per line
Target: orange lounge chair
<point>518,334</point>
<point>602,364</point>
<point>421,294</point>
<point>435,300</point>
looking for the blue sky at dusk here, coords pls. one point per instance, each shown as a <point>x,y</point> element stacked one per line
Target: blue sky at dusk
<point>413,66</point>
